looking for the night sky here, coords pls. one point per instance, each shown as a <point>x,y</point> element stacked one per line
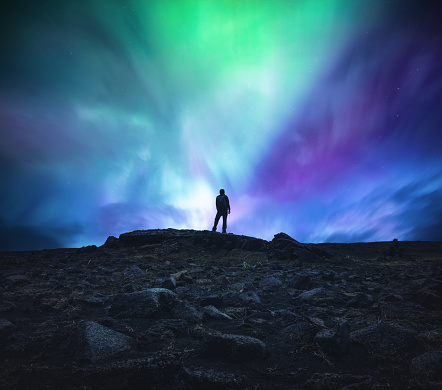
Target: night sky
<point>320,118</point>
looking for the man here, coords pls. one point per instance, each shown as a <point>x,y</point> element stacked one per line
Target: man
<point>222,208</point>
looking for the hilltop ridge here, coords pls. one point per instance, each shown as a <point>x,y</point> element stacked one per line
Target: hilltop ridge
<point>188,309</point>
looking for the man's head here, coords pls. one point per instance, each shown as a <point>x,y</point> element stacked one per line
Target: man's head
<point>221,191</point>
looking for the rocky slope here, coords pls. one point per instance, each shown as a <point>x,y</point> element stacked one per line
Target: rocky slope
<point>184,309</point>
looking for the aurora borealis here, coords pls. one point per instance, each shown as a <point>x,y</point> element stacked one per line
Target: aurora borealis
<point>320,118</point>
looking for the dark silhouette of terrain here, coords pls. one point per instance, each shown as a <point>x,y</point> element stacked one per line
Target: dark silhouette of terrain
<point>185,309</point>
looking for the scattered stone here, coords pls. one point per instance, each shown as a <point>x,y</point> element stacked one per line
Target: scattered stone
<point>18,279</point>
<point>301,282</point>
<point>432,337</point>
<point>6,327</point>
<point>94,301</point>
<point>360,300</point>
<point>250,297</point>
<point>213,312</point>
<point>143,304</point>
<point>199,378</point>
<point>281,303</point>
<point>336,341</point>
<point>312,294</point>
<point>182,276</point>
<point>299,334</point>
<point>385,339</point>
<point>334,381</point>
<point>234,347</point>
<point>6,306</point>
<point>431,294</point>
<point>427,366</point>
<point>169,283</point>
<point>133,272</point>
<point>270,284</point>
<point>94,342</point>
<point>164,370</point>
<point>184,310</point>
<point>215,300</point>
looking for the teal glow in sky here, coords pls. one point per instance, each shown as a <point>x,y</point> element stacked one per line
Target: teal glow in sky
<point>320,118</point>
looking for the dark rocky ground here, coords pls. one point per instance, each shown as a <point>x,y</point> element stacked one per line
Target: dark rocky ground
<point>184,309</point>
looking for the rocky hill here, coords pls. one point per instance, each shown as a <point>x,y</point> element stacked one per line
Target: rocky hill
<point>185,309</point>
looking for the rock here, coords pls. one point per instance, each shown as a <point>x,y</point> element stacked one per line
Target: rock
<point>111,241</point>
<point>234,347</point>
<point>432,337</point>
<point>223,280</point>
<point>270,284</point>
<point>334,381</point>
<point>335,342</point>
<point>285,318</point>
<point>301,282</point>
<point>213,312</point>
<point>298,334</point>
<point>312,294</point>
<point>18,279</point>
<point>250,297</point>
<point>284,247</point>
<point>163,370</point>
<point>199,378</point>
<point>143,304</point>
<point>431,294</point>
<point>360,300</point>
<point>385,339</point>
<point>94,342</point>
<point>391,297</point>
<point>184,310</point>
<point>133,272</point>
<point>182,276</point>
<point>231,298</point>
<point>169,283</point>
<point>215,300</point>
<point>393,251</point>
<point>6,306</point>
<point>6,327</point>
<point>404,310</point>
<point>427,366</point>
<point>171,240</point>
<point>94,301</point>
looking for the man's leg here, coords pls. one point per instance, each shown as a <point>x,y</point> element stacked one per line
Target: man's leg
<point>215,223</point>
<point>224,222</point>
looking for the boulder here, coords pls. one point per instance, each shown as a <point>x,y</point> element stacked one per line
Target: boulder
<point>143,304</point>
<point>6,328</point>
<point>133,272</point>
<point>169,283</point>
<point>92,341</point>
<point>427,366</point>
<point>336,341</point>
<point>385,339</point>
<point>185,311</point>
<point>298,334</point>
<point>270,284</point>
<point>250,297</point>
<point>182,276</point>
<point>301,282</point>
<point>332,381</point>
<point>199,378</point>
<point>319,292</point>
<point>234,347</point>
<point>213,312</point>
<point>361,300</point>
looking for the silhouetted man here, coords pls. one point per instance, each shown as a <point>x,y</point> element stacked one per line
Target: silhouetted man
<point>222,208</point>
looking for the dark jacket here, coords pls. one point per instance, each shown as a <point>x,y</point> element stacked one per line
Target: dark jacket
<point>222,203</point>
